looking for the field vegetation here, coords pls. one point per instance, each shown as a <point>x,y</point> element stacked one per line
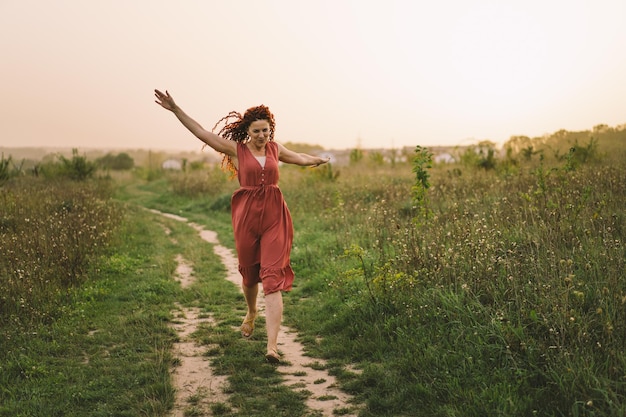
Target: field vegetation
<point>493,287</point>
<point>488,286</point>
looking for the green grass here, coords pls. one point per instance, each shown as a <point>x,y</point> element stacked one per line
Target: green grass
<point>504,298</point>
<point>498,305</point>
<point>49,231</point>
<point>506,301</point>
<point>108,352</point>
<point>255,387</point>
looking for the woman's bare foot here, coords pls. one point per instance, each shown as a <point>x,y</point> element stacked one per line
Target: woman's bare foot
<point>272,356</point>
<point>247,327</point>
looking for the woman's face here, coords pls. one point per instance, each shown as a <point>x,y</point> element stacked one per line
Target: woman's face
<point>259,132</point>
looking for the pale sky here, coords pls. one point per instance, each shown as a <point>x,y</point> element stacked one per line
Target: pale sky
<point>337,73</point>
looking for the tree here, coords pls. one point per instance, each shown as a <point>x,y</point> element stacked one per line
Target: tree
<point>119,162</point>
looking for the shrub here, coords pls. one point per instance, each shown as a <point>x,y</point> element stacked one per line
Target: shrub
<point>5,172</point>
<point>356,155</point>
<point>422,162</point>
<point>8,169</point>
<point>121,161</point>
<point>78,168</point>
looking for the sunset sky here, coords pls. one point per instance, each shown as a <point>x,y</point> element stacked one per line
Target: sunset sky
<point>337,73</point>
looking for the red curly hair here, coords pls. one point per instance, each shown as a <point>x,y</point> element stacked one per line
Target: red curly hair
<point>237,129</point>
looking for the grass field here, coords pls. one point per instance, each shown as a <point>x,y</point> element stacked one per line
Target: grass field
<point>488,287</point>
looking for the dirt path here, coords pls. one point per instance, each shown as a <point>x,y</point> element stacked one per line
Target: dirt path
<point>194,379</point>
<point>197,388</point>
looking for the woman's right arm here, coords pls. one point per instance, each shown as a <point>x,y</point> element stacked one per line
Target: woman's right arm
<point>216,142</point>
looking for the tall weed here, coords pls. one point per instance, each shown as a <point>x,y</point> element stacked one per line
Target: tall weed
<point>48,232</point>
<point>211,182</point>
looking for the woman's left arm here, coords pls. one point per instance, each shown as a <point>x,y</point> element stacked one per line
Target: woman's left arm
<point>290,157</point>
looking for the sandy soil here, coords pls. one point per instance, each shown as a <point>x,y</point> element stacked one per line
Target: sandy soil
<point>196,385</point>
<point>194,375</point>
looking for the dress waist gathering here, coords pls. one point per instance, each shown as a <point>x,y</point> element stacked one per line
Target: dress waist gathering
<point>256,187</point>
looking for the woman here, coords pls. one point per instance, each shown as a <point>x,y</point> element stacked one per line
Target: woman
<point>261,220</point>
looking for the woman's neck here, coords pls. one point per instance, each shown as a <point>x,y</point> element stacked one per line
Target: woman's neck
<point>256,151</point>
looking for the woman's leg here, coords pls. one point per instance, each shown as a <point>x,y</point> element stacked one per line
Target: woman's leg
<point>273,319</point>
<point>250,294</point>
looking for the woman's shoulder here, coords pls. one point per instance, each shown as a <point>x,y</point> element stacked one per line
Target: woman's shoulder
<point>240,147</point>
<point>273,148</point>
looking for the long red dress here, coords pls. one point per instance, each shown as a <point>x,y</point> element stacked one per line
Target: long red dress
<point>262,222</point>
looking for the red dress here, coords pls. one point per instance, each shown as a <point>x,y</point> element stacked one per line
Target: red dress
<point>262,222</point>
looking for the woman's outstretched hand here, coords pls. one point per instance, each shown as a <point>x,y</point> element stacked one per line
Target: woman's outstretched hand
<point>164,100</point>
<point>322,161</point>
